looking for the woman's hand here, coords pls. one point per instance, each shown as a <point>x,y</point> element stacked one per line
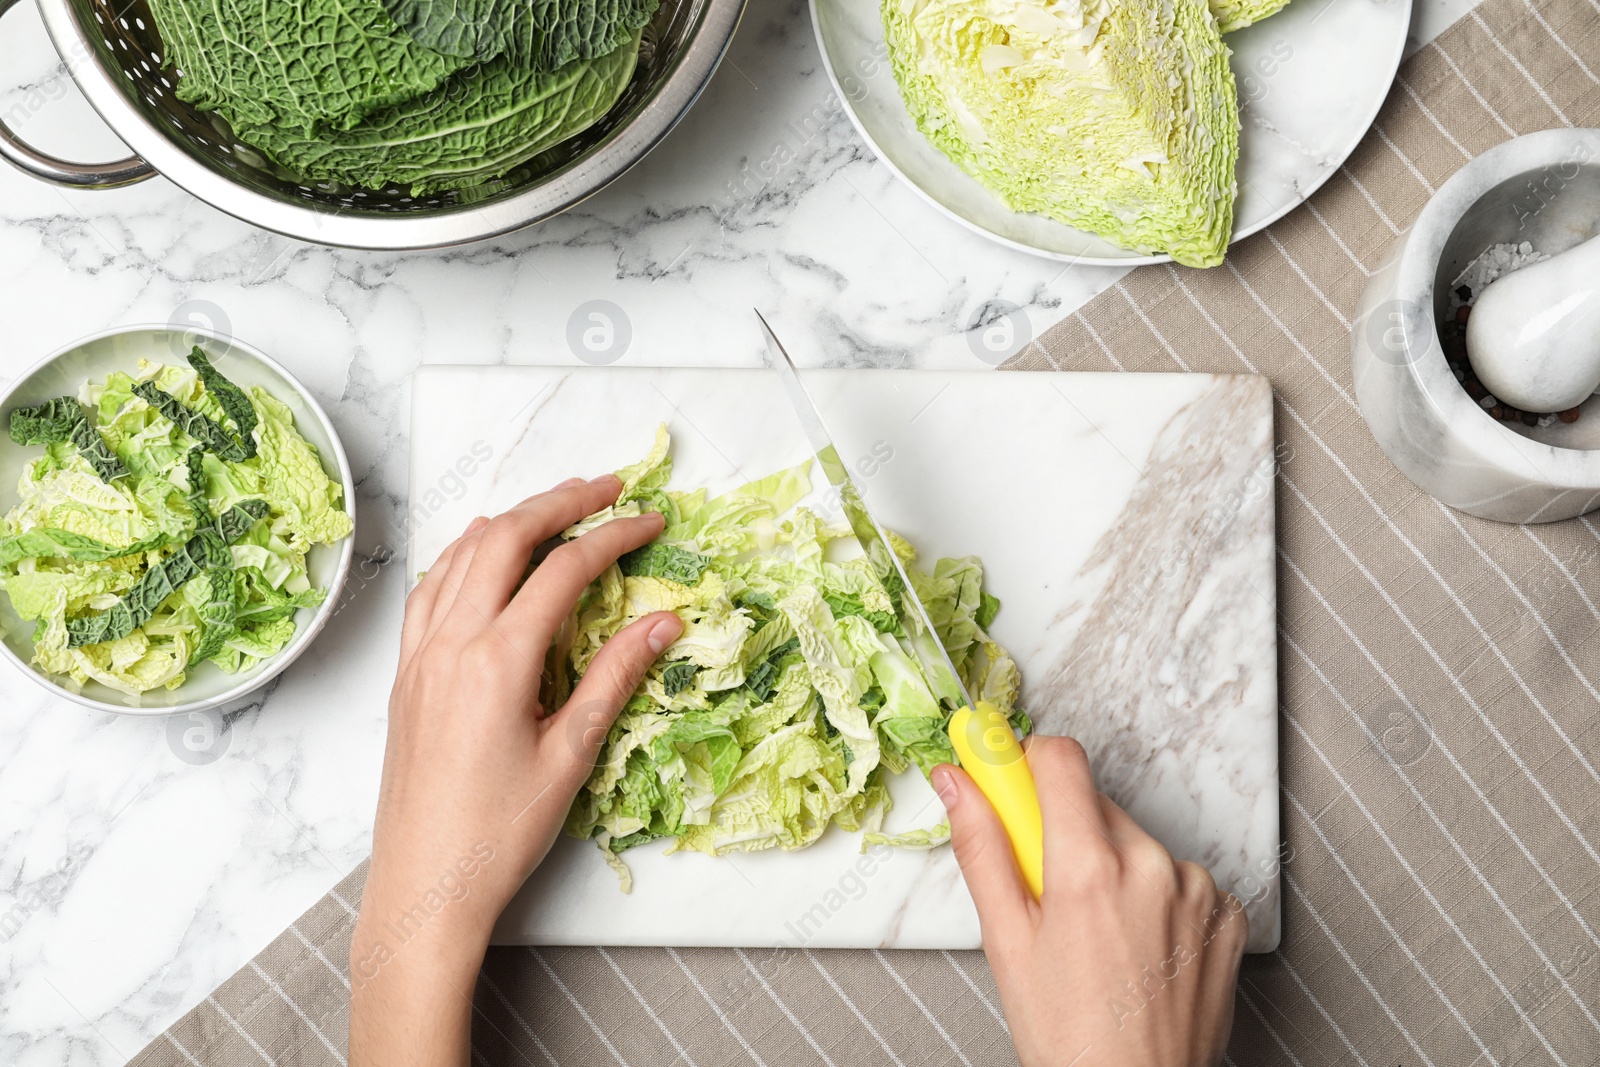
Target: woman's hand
<point>1130,958</point>
<point>477,776</point>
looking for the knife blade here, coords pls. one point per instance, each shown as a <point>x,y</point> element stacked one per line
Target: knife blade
<point>979,732</point>
<point>937,667</point>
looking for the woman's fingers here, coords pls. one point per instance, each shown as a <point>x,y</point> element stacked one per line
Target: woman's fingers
<point>1138,850</point>
<point>987,861</point>
<point>612,677</point>
<point>1119,824</point>
<point>507,543</point>
<point>1075,832</point>
<point>1220,915</point>
<point>420,603</point>
<point>1224,930</point>
<point>451,577</point>
<point>544,603</point>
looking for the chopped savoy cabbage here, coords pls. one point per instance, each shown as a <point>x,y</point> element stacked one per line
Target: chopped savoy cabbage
<point>789,698</point>
<point>190,556</point>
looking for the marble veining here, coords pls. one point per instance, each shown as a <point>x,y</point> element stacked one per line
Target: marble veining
<point>1177,598</point>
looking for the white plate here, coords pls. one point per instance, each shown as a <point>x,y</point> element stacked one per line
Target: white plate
<point>61,374</point>
<point>1311,79</point>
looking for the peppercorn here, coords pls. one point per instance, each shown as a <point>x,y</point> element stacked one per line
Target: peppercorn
<point>1529,419</point>
<point>1461,314</point>
<point>1464,292</point>
<point>1569,415</point>
<point>1475,389</point>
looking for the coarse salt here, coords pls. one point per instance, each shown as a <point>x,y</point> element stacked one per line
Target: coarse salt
<point>1495,262</point>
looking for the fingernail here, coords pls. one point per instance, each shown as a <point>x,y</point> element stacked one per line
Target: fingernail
<point>475,525</point>
<point>663,634</point>
<point>944,783</point>
<point>603,478</point>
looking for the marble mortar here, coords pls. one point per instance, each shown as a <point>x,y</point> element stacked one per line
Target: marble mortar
<point>1543,188</point>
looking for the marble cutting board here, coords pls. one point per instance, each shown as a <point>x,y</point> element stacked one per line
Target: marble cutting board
<point>1125,520</point>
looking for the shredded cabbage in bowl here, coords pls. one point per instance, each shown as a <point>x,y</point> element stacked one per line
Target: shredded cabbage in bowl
<point>180,556</point>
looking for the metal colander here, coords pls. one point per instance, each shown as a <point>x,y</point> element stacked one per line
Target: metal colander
<point>115,55</point>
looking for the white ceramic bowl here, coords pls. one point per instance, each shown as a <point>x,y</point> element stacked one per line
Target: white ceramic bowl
<point>1311,80</point>
<point>62,374</point>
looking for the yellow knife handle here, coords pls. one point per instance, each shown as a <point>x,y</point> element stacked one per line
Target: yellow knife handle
<point>989,752</point>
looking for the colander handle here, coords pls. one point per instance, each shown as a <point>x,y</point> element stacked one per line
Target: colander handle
<point>48,168</point>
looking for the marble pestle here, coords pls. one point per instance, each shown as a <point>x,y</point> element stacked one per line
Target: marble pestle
<point>1534,335</point>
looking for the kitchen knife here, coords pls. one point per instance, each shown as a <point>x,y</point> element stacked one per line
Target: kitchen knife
<point>980,734</point>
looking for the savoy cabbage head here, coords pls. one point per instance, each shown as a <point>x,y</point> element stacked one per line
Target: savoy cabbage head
<point>1118,117</point>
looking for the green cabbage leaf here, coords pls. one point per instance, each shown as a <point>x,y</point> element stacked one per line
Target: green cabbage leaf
<point>60,420</point>
<point>425,94</point>
<point>307,66</point>
<point>542,34</point>
<point>483,123</point>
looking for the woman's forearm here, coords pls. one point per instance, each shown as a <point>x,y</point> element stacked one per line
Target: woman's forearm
<point>411,990</point>
<point>477,774</point>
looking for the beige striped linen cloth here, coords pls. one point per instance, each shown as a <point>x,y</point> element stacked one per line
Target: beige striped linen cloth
<point>1441,895</point>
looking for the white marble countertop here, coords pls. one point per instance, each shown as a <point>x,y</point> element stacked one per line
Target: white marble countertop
<point>133,877</point>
